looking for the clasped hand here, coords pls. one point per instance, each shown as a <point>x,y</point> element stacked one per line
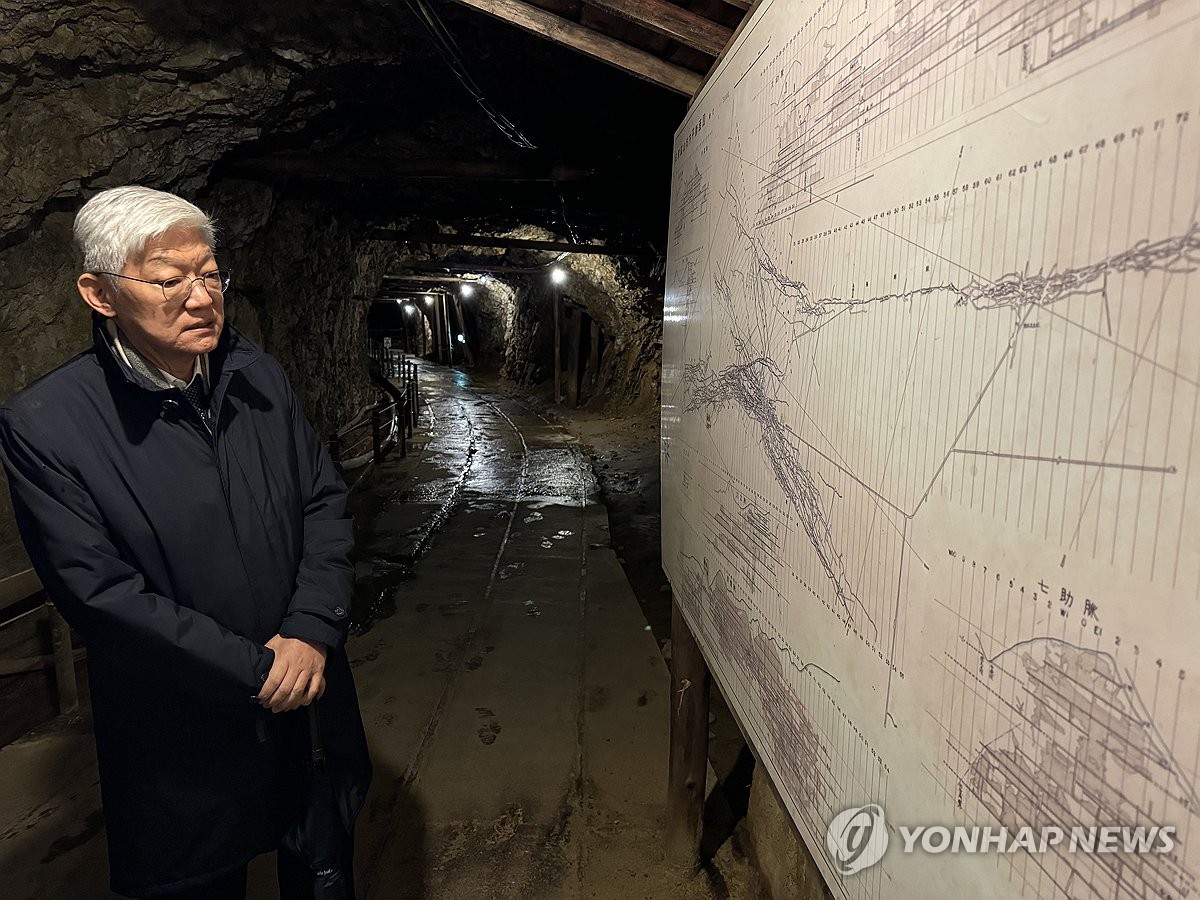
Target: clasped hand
<point>297,676</point>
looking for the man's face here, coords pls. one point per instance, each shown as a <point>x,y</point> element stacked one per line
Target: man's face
<point>165,330</point>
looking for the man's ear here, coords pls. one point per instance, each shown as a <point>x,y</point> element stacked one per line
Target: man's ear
<point>97,293</point>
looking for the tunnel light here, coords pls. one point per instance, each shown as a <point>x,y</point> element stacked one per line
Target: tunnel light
<point>461,339</point>
<point>429,299</point>
<point>558,275</point>
<point>408,310</point>
<point>485,279</point>
<point>468,290</point>
<point>399,301</point>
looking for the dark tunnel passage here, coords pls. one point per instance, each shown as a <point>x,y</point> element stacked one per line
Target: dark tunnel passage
<point>451,233</point>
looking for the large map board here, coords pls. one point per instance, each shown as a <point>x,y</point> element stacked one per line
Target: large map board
<point>931,387</point>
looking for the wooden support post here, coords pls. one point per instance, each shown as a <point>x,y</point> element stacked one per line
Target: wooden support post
<point>376,436</point>
<point>688,765</point>
<point>593,363</point>
<point>414,405</point>
<point>447,329</point>
<point>596,45</point>
<point>64,662</point>
<point>437,332</point>
<point>557,349</point>
<point>574,342</point>
<point>414,397</point>
<point>462,321</point>
<point>403,410</point>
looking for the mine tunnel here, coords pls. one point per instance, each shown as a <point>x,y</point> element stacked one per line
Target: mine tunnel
<point>450,230</point>
<point>617,449</point>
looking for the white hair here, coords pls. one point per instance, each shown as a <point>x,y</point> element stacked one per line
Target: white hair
<point>117,223</point>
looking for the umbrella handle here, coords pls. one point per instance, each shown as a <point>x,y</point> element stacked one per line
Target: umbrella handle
<point>314,735</point>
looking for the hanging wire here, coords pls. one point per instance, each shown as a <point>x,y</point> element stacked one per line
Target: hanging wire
<point>562,204</point>
<point>447,48</point>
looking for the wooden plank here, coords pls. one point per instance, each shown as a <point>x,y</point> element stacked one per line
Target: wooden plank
<point>688,761</point>
<point>501,243</point>
<point>447,271</point>
<point>750,6</point>
<point>18,587</point>
<point>740,4</point>
<point>593,364</point>
<point>598,46</point>
<point>673,21</point>
<point>64,663</point>
<point>366,168</point>
<point>25,664</point>
<point>406,284</point>
<point>574,339</point>
<point>557,349</point>
<point>462,321</point>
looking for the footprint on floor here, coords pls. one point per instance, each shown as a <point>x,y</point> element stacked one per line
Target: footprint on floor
<point>506,827</point>
<point>474,663</point>
<point>511,569</point>
<point>547,544</point>
<point>367,656</point>
<point>533,517</point>
<point>490,729</point>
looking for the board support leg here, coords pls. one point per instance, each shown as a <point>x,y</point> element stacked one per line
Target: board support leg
<point>688,765</point>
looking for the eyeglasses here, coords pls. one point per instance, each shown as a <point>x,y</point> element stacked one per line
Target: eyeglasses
<point>179,288</point>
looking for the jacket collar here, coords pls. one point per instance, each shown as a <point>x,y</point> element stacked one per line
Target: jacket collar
<point>233,351</point>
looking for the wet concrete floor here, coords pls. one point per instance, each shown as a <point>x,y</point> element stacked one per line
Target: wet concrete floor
<point>514,698</point>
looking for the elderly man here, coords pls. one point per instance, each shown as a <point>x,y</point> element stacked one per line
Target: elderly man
<point>188,523</point>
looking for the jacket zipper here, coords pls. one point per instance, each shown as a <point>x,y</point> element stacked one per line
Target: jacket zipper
<point>211,440</point>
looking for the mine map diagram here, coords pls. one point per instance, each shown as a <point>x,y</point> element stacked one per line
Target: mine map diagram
<point>930,395</point>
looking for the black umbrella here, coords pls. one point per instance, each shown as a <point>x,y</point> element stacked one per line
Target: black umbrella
<point>316,837</point>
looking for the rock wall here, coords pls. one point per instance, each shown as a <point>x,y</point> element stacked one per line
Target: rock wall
<point>303,279</point>
<point>515,312</point>
<point>625,301</point>
<point>149,91</point>
<point>495,306</point>
<point>95,95</point>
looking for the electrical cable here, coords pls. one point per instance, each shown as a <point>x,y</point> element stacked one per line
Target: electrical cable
<point>562,204</point>
<point>447,48</point>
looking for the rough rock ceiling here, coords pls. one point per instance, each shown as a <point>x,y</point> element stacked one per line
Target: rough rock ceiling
<point>351,104</point>
<point>411,141</point>
<point>669,43</point>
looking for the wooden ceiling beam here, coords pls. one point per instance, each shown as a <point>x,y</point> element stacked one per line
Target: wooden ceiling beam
<point>592,43</point>
<point>740,4</point>
<point>456,270</point>
<point>381,168</point>
<point>499,243</point>
<point>673,21</point>
<point>411,282</point>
